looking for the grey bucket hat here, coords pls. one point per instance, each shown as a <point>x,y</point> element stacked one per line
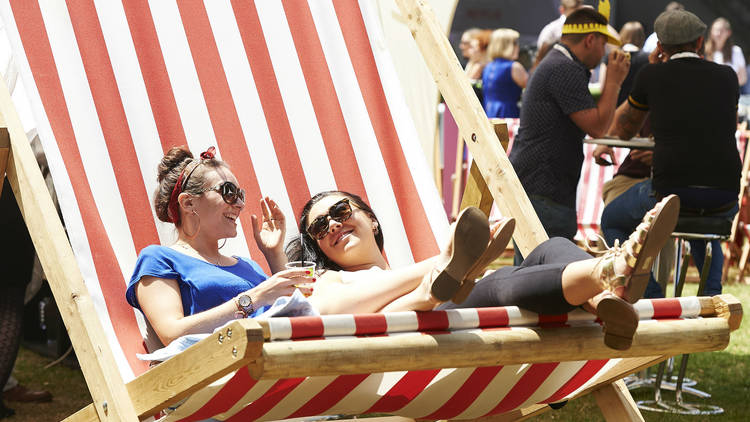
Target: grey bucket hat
<point>678,27</point>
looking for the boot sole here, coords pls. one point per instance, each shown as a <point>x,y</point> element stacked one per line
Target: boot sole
<point>619,321</point>
<point>662,227</point>
<point>496,247</point>
<point>470,236</point>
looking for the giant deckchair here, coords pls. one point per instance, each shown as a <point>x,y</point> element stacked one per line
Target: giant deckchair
<point>298,98</point>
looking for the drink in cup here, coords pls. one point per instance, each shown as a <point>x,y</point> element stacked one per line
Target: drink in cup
<point>309,268</point>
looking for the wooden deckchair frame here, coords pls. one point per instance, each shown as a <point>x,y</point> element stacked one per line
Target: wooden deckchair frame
<point>113,400</point>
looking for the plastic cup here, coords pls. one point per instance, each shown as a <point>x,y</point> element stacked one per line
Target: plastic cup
<point>309,268</point>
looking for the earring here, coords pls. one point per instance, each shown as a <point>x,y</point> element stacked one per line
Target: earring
<point>196,230</point>
<point>375,228</point>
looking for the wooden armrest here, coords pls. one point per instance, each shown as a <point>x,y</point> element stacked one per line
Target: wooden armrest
<point>236,345</point>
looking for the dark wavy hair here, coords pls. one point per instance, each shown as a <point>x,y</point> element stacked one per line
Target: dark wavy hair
<point>305,248</point>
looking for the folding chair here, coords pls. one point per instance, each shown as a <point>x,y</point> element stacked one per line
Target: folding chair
<point>298,98</point>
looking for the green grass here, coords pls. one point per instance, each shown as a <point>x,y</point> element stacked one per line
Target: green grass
<point>724,374</point>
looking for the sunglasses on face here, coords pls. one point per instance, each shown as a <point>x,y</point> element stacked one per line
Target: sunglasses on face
<point>230,193</point>
<point>340,211</point>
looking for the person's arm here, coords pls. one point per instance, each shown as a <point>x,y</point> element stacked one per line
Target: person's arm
<point>600,151</point>
<point>519,75</point>
<point>628,121</point>
<point>161,303</point>
<point>738,62</point>
<point>368,291</point>
<point>269,231</point>
<point>595,121</point>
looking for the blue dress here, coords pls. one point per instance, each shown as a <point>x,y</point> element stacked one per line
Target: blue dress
<point>500,91</point>
<point>202,285</point>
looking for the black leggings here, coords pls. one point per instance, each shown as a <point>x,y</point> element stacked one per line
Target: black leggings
<point>536,285</point>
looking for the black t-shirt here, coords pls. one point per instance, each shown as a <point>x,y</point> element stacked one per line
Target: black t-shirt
<point>692,106</point>
<point>547,153</point>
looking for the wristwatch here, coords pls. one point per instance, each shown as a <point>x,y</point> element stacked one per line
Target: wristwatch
<point>244,304</point>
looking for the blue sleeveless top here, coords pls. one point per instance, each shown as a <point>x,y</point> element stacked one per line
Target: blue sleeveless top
<point>202,285</point>
<point>500,91</point>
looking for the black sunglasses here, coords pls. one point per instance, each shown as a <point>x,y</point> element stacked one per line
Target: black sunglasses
<point>340,211</point>
<point>229,192</point>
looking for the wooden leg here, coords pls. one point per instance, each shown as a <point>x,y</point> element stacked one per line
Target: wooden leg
<point>458,175</point>
<point>743,260</point>
<point>616,403</point>
<point>4,151</point>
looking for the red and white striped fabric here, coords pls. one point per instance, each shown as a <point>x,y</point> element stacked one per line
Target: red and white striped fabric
<point>298,97</point>
<point>448,393</point>
<point>589,204</point>
<point>460,319</point>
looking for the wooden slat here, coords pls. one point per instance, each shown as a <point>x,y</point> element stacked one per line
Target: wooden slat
<point>473,124</point>
<point>87,414</point>
<point>488,348</point>
<point>615,404</point>
<point>51,243</point>
<point>234,346</point>
<point>476,192</point>
<point>728,307</point>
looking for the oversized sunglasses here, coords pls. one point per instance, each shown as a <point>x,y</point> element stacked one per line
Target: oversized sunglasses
<point>340,211</point>
<point>230,193</point>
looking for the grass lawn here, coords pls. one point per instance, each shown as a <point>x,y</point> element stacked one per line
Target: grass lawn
<point>724,374</point>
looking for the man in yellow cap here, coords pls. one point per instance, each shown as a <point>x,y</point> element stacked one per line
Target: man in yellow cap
<point>557,111</point>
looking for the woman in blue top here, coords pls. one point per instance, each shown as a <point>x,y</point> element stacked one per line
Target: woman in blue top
<point>504,77</point>
<point>190,287</point>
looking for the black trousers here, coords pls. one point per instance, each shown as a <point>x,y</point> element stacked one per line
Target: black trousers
<point>17,262</point>
<point>535,285</point>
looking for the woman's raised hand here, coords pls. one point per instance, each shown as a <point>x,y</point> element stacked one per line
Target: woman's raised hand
<point>270,229</point>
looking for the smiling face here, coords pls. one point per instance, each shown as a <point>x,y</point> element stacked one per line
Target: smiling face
<point>350,243</point>
<point>216,216</point>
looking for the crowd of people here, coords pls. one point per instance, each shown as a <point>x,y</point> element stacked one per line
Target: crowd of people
<point>492,57</point>
<point>588,80</point>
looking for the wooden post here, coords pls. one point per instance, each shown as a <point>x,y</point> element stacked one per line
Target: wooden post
<point>477,193</point>
<point>4,151</point>
<point>473,124</point>
<point>616,403</point>
<point>56,255</point>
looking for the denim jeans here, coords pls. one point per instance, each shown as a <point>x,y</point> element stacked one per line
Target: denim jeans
<point>624,213</point>
<point>557,220</point>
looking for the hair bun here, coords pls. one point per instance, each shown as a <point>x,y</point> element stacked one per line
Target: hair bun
<point>174,158</point>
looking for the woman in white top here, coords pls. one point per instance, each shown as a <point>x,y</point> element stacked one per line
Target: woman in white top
<point>721,49</point>
<point>341,233</point>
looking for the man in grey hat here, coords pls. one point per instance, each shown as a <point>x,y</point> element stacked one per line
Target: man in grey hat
<point>692,106</point>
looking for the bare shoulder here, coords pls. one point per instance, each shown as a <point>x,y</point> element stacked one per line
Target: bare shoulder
<point>329,277</point>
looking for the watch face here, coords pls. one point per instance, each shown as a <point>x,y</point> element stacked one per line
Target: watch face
<point>244,300</point>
